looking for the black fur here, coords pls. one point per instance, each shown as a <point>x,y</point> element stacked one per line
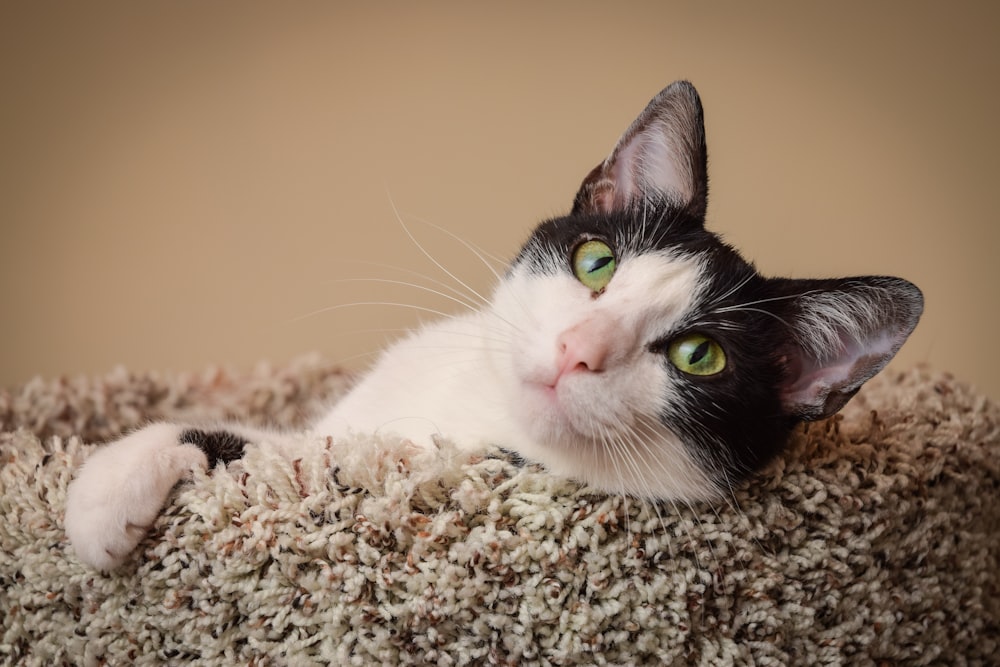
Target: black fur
<point>733,422</point>
<point>790,355</point>
<point>217,445</point>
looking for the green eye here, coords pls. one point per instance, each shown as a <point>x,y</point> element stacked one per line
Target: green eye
<point>696,354</point>
<point>593,265</point>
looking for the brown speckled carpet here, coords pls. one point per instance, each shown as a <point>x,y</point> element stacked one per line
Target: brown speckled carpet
<point>875,540</point>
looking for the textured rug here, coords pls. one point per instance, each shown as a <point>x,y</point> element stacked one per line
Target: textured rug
<point>874,540</point>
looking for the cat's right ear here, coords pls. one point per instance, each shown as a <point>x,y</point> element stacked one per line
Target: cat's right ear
<point>662,155</point>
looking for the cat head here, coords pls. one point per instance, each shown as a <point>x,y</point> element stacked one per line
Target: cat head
<point>648,357</point>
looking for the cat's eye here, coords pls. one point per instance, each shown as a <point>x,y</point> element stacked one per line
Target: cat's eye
<point>697,354</point>
<point>594,264</point>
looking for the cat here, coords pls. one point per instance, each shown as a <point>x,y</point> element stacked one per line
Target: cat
<point>625,346</point>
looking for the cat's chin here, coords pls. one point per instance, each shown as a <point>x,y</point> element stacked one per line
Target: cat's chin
<point>606,457</point>
<point>551,417</point>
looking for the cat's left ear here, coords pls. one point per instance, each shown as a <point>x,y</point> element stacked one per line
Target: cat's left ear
<point>841,333</point>
<point>662,155</point>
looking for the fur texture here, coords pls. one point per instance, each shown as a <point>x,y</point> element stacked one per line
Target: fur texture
<point>590,357</point>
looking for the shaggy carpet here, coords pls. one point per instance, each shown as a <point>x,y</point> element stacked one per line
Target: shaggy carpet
<point>875,540</point>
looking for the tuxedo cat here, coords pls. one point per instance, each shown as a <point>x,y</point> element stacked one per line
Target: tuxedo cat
<point>625,346</point>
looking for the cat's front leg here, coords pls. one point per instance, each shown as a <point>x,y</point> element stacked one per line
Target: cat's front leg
<point>121,488</point>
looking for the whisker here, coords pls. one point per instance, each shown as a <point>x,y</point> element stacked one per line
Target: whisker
<point>360,355</point>
<point>622,446</point>
<point>731,309</point>
<point>369,303</point>
<point>650,426</point>
<point>784,297</point>
<point>480,254</point>
<point>417,274</point>
<point>426,254</point>
<point>733,290</point>
<point>422,288</point>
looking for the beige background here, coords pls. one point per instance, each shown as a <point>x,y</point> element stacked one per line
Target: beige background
<point>184,183</point>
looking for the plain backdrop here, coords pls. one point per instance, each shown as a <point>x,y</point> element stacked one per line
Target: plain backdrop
<point>185,184</point>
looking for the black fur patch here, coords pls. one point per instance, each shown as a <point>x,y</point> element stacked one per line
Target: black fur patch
<point>217,445</point>
<point>733,422</point>
<point>513,457</point>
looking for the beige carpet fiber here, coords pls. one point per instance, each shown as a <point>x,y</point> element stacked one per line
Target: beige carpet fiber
<point>875,540</point>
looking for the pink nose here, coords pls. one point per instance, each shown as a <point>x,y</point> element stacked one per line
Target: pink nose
<point>583,347</point>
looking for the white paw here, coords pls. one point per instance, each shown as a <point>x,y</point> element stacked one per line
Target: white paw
<point>120,489</point>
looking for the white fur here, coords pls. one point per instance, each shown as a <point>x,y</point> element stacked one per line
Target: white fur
<point>602,427</point>
<point>547,369</point>
<point>119,491</point>
<point>479,380</point>
<point>483,380</point>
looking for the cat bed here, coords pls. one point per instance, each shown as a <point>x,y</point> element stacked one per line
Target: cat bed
<point>874,540</point>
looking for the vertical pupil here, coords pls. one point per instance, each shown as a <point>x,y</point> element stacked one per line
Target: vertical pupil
<point>599,264</point>
<point>699,353</point>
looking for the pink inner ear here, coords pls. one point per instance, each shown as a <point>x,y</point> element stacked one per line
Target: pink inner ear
<point>660,157</point>
<point>820,387</point>
<point>646,164</point>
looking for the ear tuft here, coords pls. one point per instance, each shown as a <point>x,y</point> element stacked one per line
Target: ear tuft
<point>843,332</point>
<point>661,156</point>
